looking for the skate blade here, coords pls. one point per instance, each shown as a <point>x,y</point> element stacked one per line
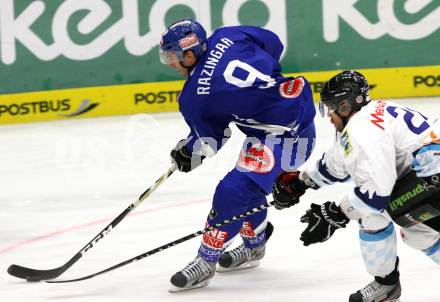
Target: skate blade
<point>175,289</point>
<point>246,265</point>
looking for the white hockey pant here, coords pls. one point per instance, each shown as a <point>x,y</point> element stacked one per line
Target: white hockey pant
<point>379,245</point>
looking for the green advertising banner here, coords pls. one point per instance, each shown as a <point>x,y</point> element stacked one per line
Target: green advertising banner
<point>59,44</point>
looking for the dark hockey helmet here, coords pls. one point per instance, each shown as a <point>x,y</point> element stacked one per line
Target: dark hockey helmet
<point>181,36</point>
<point>347,91</point>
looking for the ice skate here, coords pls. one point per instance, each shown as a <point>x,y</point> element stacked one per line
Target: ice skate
<point>195,275</point>
<point>376,292</point>
<point>243,257</point>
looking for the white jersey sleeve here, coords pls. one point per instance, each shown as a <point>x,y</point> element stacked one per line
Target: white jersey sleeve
<point>330,168</point>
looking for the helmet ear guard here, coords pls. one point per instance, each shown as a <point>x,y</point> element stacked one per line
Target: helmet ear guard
<point>344,107</point>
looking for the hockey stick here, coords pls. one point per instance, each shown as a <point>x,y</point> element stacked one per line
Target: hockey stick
<point>171,244</point>
<point>37,275</point>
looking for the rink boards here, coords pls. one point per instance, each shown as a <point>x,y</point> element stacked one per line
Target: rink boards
<point>162,96</point>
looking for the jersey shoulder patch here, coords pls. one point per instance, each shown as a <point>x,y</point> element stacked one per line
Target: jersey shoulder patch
<point>344,141</point>
<point>292,88</point>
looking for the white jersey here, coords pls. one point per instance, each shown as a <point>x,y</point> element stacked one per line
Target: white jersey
<point>379,144</point>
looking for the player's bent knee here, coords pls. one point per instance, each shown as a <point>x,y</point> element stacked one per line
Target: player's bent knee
<point>420,236</point>
<point>233,196</point>
<point>374,223</point>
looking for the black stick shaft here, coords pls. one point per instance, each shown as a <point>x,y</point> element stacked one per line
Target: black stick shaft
<point>171,244</point>
<point>37,275</point>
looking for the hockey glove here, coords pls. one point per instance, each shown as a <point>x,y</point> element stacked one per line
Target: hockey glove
<point>287,189</point>
<point>323,220</point>
<point>184,160</point>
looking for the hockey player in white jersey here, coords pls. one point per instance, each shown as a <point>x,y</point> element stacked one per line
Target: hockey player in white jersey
<point>377,144</point>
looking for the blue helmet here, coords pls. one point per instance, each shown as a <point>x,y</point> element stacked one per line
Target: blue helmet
<point>181,36</point>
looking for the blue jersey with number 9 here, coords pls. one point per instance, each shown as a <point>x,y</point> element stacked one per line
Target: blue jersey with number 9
<point>238,79</point>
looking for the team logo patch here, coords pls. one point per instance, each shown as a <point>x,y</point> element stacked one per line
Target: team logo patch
<point>292,88</point>
<point>188,42</point>
<point>247,229</point>
<point>215,238</point>
<point>258,158</point>
<point>345,143</point>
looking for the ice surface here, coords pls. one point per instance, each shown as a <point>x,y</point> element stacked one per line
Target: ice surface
<point>62,182</point>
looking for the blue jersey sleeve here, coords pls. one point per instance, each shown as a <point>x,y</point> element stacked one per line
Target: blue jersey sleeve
<point>206,137</point>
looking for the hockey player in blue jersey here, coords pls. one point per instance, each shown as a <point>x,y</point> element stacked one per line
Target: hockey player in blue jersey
<point>234,76</point>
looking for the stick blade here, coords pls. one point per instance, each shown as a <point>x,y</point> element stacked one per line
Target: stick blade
<point>33,275</point>
<point>72,280</point>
